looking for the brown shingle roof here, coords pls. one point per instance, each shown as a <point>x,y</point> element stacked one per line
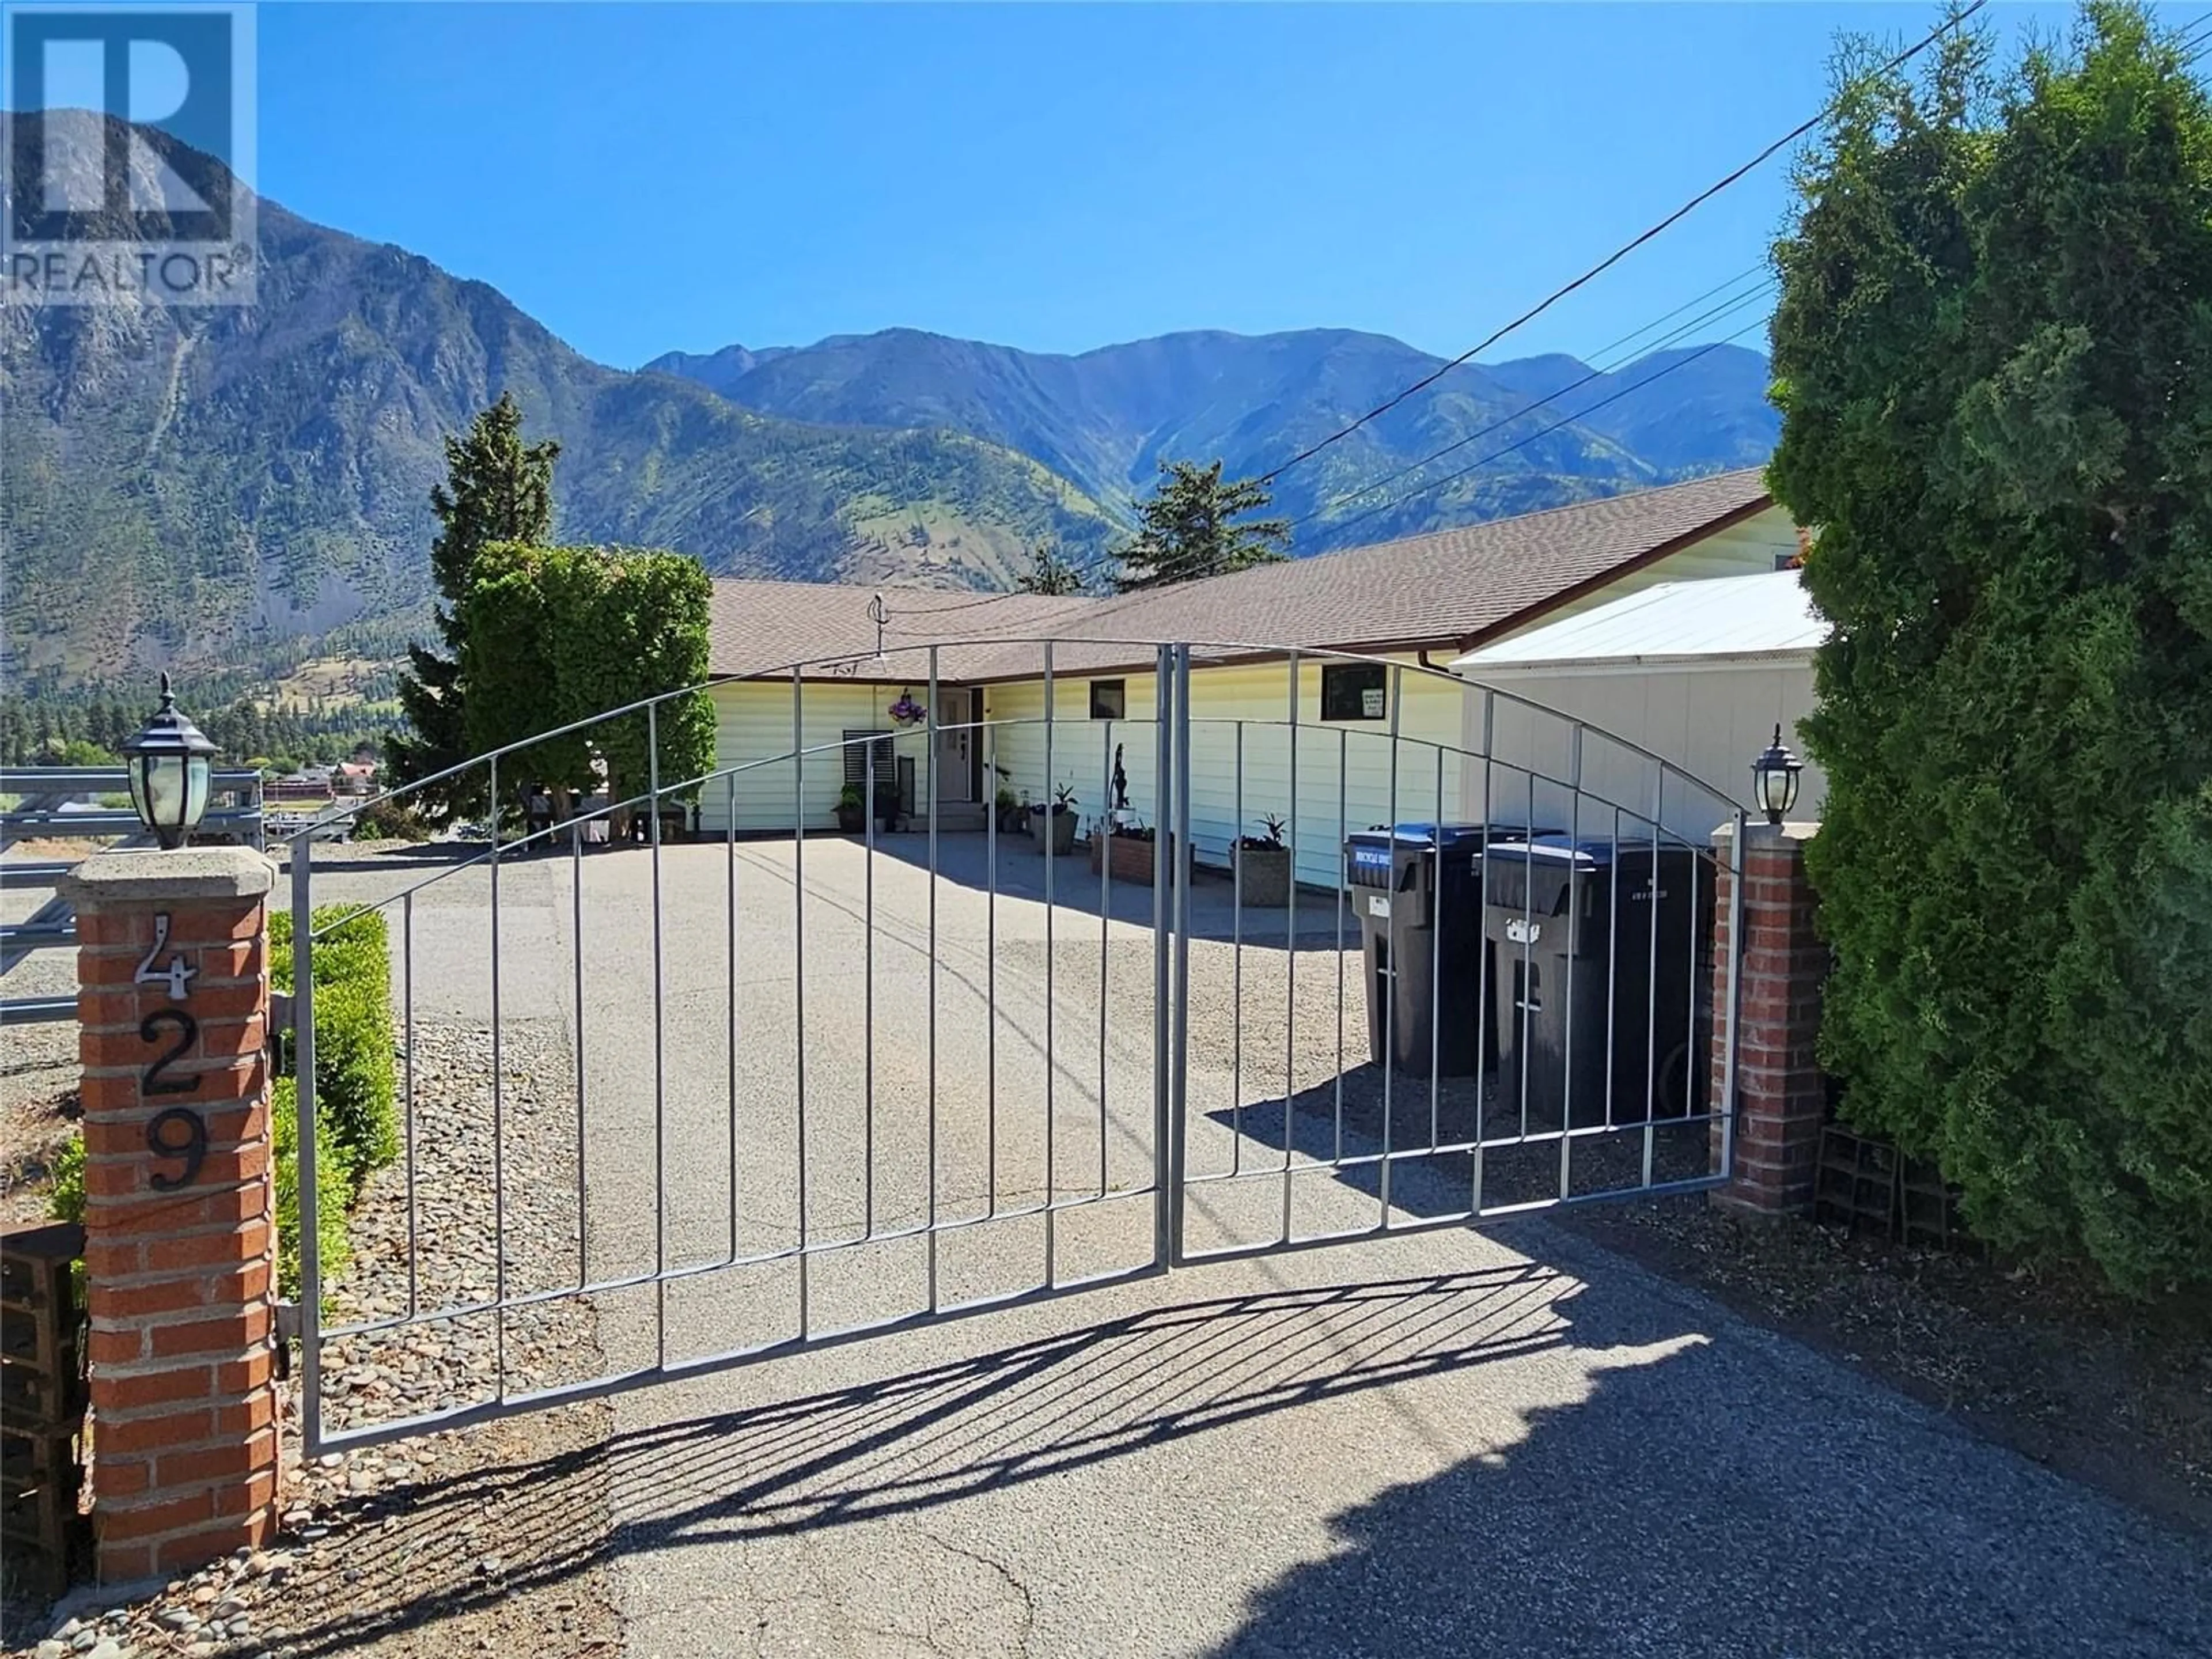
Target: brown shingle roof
<point>1449,588</point>
<point>757,627</point>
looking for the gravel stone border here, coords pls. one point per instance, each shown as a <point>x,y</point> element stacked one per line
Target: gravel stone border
<point>333,1580</point>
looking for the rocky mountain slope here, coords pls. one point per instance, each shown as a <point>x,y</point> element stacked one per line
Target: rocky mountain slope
<point>242,485</point>
<point>1105,419</point>
<point>218,482</point>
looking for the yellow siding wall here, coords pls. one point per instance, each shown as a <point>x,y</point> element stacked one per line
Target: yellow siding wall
<point>753,724</point>
<point>1344,768</point>
<point>1081,756</point>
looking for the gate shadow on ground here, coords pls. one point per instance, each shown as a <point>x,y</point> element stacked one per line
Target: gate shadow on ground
<point>1344,1117</point>
<point>1643,1489</point>
<point>935,1435</point>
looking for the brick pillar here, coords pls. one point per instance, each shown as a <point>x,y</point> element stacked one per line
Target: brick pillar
<point>1780,1095</point>
<point>179,1249</point>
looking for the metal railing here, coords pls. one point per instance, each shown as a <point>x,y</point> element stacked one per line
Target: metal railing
<point>721,1100</point>
<point>49,806</point>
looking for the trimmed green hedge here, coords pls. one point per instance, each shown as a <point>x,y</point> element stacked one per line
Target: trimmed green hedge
<point>330,1217</point>
<point>66,1201</point>
<point>357,1083</point>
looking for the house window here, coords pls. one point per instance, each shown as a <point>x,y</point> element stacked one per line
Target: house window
<point>1353,691</point>
<point>857,745</point>
<point>1110,699</point>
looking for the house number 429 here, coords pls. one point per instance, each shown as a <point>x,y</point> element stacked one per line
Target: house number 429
<point>179,1132</point>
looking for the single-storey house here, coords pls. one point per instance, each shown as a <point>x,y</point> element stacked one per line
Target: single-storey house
<point>1420,602</point>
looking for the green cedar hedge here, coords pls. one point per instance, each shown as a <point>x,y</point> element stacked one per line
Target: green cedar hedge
<point>1993,354</point>
<point>65,1201</point>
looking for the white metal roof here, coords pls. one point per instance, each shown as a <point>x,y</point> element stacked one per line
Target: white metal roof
<point>1763,615</point>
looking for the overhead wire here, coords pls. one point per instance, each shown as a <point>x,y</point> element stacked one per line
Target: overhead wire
<point>1560,293</point>
<point>1482,461</point>
<point>1552,399</point>
<point>1618,253</point>
<point>1092,567</point>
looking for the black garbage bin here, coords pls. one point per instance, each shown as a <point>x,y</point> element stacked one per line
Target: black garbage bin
<point>1418,893</point>
<point>1599,967</point>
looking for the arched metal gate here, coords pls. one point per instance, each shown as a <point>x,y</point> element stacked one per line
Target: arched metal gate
<point>683,1089</point>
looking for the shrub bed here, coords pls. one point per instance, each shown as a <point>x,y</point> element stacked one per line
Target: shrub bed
<point>330,1218</point>
<point>355,1042</point>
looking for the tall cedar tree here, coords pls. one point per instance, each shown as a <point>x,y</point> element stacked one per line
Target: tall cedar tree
<point>1049,573</point>
<point>497,489</point>
<point>560,634</point>
<point>1993,353</point>
<point>1189,529</point>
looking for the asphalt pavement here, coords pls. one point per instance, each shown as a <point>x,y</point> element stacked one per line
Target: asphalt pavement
<point>1453,1442</point>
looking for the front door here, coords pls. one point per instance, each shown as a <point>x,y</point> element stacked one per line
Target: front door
<point>956,748</point>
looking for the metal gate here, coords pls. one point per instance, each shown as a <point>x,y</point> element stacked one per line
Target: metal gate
<point>681,1089</point>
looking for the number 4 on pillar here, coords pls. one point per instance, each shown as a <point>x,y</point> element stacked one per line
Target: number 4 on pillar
<point>176,973</point>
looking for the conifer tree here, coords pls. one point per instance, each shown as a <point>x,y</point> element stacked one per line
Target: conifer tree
<point>497,489</point>
<point>1190,528</point>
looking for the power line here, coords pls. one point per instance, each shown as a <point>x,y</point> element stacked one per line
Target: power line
<point>1083,572</point>
<point>1618,254</point>
<point>1477,465</point>
<point>1551,399</point>
<point>1092,567</point>
<point>1696,299</point>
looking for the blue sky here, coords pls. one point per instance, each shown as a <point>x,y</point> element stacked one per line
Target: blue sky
<point>647,176</point>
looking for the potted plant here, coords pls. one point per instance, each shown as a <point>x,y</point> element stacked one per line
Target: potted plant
<point>1263,865</point>
<point>852,813</point>
<point>1009,812</point>
<point>887,804</point>
<point>1053,826</point>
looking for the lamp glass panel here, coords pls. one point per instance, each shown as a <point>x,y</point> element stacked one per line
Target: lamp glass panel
<point>139,804</point>
<point>197,773</point>
<point>1773,789</point>
<point>165,790</point>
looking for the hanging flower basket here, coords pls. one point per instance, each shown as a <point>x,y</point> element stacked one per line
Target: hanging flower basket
<point>907,712</point>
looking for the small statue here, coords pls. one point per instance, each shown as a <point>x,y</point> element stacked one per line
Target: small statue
<point>1121,782</point>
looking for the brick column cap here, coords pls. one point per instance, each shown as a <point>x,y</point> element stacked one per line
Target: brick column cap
<point>145,875</point>
<point>1760,833</point>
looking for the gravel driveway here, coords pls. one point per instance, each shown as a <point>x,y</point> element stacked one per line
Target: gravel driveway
<point>1497,1441</point>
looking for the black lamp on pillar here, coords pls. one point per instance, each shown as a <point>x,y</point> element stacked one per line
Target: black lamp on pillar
<point>1774,779</point>
<point>171,764</point>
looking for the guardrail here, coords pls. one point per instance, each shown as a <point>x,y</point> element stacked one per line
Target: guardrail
<point>44,796</point>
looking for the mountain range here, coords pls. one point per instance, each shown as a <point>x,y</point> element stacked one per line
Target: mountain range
<point>248,484</point>
<point>1103,420</point>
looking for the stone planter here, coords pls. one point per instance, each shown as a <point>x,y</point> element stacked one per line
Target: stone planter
<point>1263,876</point>
<point>1054,830</point>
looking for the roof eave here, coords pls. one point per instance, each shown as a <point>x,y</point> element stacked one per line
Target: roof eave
<point>1529,614</point>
